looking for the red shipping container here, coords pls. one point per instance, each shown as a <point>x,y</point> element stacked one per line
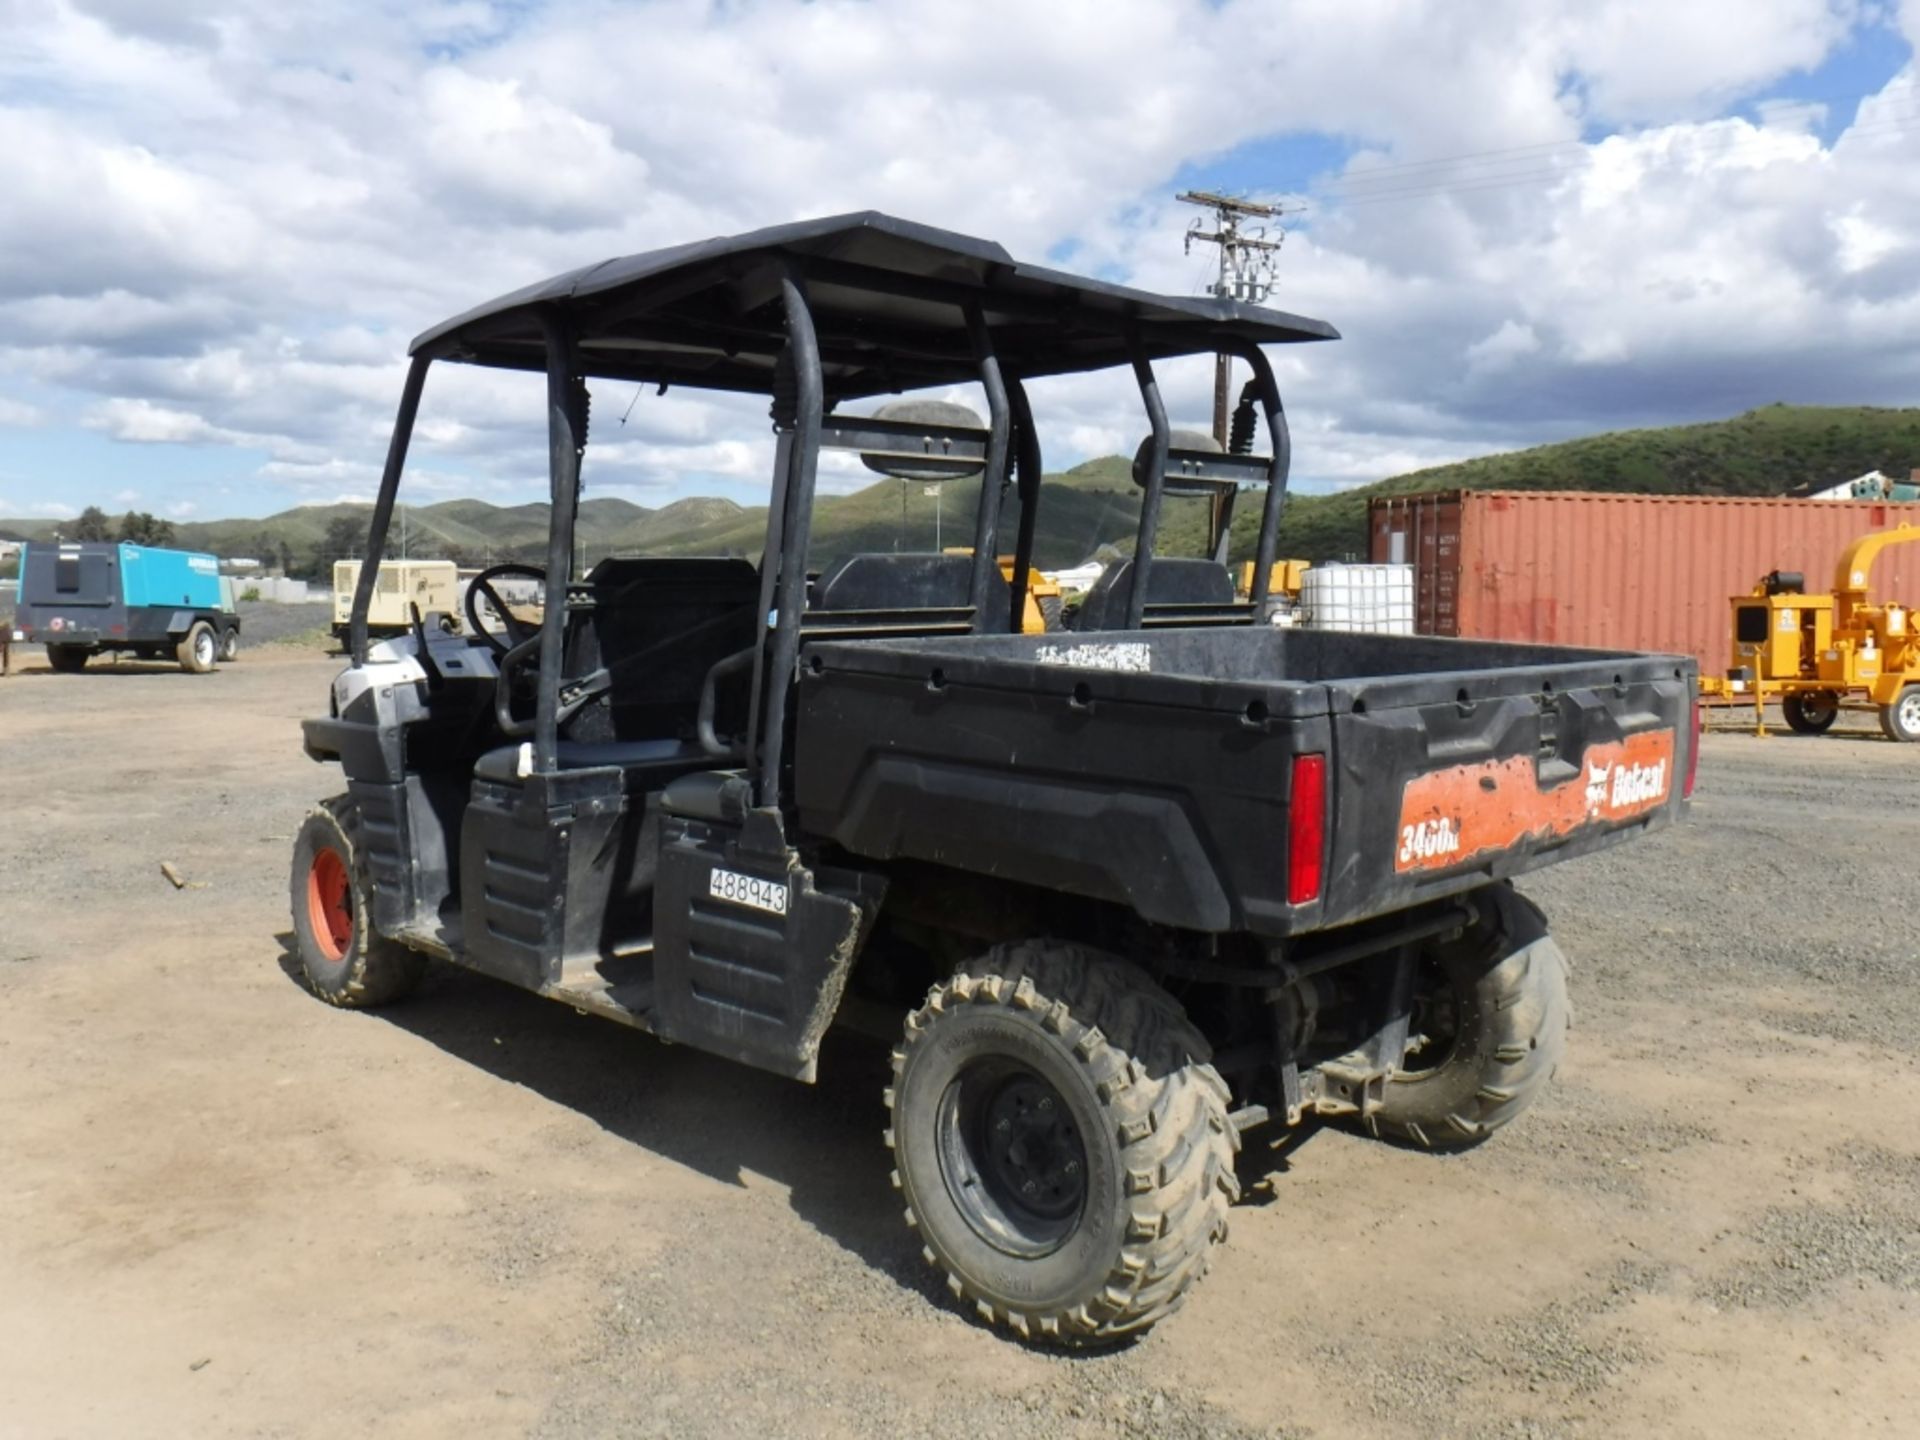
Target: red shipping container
<point>1622,572</point>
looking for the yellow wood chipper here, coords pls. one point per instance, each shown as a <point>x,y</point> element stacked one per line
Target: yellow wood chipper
<point>1817,653</point>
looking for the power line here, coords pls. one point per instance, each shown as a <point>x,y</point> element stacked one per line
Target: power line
<point>1576,144</point>
<point>1347,194</point>
<point>1730,144</point>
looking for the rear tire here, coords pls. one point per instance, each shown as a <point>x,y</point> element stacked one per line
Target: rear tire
<point>1493,1010</point>
<point>68,659</point>
<point>229,646</point>
<point>1062,1142</point>
<point>346,962</point>
<point>1901,719</point>
<point>1810,714</point>
<point>197,649</point>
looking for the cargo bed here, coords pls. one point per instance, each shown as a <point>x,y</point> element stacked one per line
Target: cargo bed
<point>1157,770</point>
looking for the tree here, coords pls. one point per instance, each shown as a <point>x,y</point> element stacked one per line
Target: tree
<point>346,538</point>
<point>137,527</point>
<point>93,524</point>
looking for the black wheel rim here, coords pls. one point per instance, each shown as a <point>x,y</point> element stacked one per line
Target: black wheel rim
<point>1012,1158</point>
<point>1433,1032</point>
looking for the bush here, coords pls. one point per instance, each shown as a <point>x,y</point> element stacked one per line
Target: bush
<point>252,592</point>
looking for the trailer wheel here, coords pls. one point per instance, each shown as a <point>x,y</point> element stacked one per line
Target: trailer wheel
<point>1810,713</point>
<point>197,649</point>
<point>68,659</point>
<point>229,645</point>
<point>346,962</point>
<point>1062,1142</point>
<point>1489,1027</point>
<point>1901,719</point>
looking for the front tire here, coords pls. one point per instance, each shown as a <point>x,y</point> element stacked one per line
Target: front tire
<point>1489,1029</point>
<point>1901,719</point>
<point>345,960</point>
<point>1810,713</point>
<point>68,659</point>
<point>197,649</point>
<point>1062,1142</point>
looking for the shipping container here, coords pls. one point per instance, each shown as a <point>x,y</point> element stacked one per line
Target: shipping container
<point>1629,572</point>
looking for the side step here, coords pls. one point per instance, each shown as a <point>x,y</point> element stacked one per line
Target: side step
<point>627,998</point>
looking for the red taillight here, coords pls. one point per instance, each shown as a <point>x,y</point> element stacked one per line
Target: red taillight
<point>1693,755</point>
<point>1306,829</point>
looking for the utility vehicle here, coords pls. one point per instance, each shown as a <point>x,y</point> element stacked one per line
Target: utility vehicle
<point>86,598</point>
<point>1120,893</point>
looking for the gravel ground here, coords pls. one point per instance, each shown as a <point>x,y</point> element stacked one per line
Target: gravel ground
<point>264,624</point>
<point>226,1209</point>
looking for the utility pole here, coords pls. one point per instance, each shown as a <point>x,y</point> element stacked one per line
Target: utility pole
<point>1246,270</point>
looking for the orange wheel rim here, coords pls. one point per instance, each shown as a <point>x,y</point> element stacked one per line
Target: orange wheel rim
<point>330,905</point>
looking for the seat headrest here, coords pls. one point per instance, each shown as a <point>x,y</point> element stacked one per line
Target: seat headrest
<point>948,414</point>
<point>1176,440</point>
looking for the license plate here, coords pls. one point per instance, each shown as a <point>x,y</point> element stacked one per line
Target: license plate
<point>748,890</point>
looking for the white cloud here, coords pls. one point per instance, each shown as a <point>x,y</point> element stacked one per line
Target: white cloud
<point>181,509</point>
<point>277,197</point>
<point>141,422</point>
<point>1512,342</point>
<point>126,497</point>
<point>53,509</point>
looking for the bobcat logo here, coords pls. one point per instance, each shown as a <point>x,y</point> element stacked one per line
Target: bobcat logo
<point>1597,777</point>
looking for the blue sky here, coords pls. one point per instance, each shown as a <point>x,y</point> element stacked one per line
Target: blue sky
<point>1530,219</point>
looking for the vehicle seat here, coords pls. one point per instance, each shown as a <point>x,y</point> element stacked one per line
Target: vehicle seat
<point>1174,584</point>
<point>658,625</point>
<point>898,589</point>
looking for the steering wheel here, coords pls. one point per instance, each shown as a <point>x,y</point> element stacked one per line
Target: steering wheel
<point>514,632</point>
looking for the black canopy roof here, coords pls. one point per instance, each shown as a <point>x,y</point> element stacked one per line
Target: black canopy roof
<point>885,296</point>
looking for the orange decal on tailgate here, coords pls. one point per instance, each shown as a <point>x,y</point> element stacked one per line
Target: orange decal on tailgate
<point>1451,816</point>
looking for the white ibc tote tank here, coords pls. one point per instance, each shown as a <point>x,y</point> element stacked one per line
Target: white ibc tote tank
<point>1377,599</point>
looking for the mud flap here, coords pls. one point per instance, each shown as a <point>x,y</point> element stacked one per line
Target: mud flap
<point>751,948</point>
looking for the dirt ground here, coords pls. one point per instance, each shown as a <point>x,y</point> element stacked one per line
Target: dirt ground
<point>228,1210</point>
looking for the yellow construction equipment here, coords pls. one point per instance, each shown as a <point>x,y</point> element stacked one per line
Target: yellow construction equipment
<point>1283,581</point>
<point>1818,653</point>
<point>1044,599</point>
<point>1042,610</point>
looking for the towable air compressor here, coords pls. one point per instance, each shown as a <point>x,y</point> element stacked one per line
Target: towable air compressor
<point>82,599</point>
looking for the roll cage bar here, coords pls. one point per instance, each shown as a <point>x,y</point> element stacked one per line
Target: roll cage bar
<point>906,307</point>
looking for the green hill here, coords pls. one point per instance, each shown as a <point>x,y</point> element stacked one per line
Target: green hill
<point>1775,450</point>
<point>1770,451</point>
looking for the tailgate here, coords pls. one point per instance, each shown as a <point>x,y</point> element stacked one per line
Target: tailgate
<point>1446,782</point>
